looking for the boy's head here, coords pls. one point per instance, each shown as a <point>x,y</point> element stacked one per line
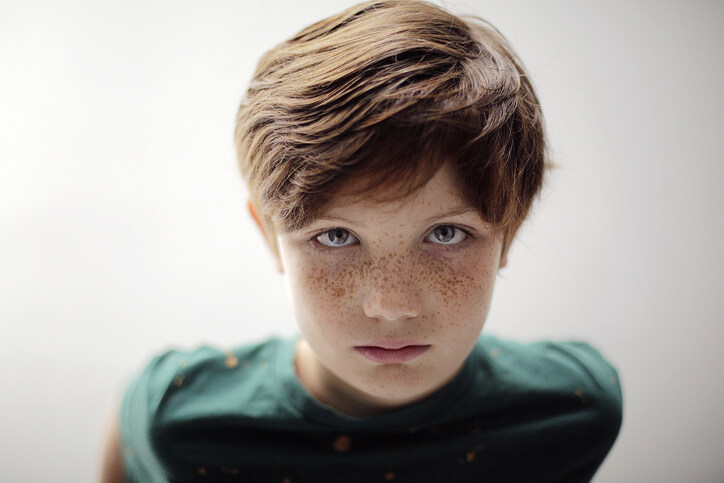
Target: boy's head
<point>391,153</point>
<point>381,96</point>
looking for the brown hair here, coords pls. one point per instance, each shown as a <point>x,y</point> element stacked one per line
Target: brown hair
<point>384,94</point>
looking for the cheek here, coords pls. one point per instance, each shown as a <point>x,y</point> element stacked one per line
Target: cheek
<point>459,288</point>
<point>324,292</point>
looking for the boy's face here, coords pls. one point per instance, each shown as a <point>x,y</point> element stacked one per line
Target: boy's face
<point>389,297</point>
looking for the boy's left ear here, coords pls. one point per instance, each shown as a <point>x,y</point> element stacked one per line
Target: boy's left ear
<point>252,212</point>
<point>269,242</point>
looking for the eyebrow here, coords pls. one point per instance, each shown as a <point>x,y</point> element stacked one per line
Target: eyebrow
<point>457,211</point>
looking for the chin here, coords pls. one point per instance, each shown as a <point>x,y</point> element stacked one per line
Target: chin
<point>396,395</point>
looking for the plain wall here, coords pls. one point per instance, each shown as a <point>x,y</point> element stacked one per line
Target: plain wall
<point>124,231</point>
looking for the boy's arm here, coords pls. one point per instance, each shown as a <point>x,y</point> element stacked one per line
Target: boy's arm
<point>112,466</point>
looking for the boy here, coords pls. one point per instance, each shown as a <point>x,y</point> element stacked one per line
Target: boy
<point>391,153</point>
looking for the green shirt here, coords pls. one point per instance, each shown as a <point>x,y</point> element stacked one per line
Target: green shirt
<point>545,411</point>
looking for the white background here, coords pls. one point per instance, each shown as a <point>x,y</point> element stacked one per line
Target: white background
<point>123,227</point>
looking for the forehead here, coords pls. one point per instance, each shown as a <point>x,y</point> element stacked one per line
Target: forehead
<point>442,191</point>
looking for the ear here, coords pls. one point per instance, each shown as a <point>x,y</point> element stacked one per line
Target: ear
<point>269,241</point>
<point>503,259</point>
<point>257,220</point>
<point>507,241</point>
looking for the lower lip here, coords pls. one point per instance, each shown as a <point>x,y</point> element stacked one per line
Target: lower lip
<point>392,356</point>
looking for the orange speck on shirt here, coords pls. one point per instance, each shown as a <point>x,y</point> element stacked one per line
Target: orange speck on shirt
<point>231,360</point>
<point>342,444</point>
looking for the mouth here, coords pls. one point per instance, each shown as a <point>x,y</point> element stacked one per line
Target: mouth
<point>392,353</point>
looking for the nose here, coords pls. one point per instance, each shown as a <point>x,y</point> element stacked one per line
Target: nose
<point>391,295</point>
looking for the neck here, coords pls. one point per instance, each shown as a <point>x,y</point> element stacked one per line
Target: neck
<point>328,389</point>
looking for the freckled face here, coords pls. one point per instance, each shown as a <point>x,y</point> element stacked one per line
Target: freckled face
<point>389,297</point>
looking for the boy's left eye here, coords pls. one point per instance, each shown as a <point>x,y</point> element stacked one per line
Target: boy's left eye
<point>446,235</point>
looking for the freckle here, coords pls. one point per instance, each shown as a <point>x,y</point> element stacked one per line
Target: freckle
<point>179,380</point>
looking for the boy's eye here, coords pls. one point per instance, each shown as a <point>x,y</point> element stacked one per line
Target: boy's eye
<point>446,235</point>
<point>337,237</point>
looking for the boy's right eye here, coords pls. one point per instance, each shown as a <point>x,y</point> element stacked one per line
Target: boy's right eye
<point>336,237</point>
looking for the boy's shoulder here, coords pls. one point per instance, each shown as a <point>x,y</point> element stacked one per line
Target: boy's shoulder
<point>175,361</point>
<point>548,379</point>
<point>546,363</point>
<point>205,371</point>
<point>183,385</point>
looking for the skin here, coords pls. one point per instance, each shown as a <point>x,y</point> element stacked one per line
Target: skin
<point>395,271</point>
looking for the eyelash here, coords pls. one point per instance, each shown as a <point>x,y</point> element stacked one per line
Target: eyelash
<point>468,238</point>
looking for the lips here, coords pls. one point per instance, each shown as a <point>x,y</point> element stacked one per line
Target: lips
<point>392,352</point>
